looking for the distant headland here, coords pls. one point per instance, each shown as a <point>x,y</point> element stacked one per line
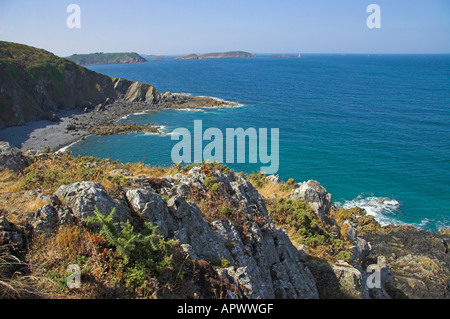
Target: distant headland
<point>106,58</point>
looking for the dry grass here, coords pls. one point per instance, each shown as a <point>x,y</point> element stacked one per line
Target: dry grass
<point>18,206</point>
<point>8,182</point>
<point>49,258</point>
<point>140,169</point>
<point>14,282</point>
<point>67,245</point>
<point>33,205</point>
<point>270,189</point>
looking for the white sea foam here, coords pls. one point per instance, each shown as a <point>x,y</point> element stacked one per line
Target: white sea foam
<point>67,147</point>
<point>128,115</point>
<point>384,209</point>
<point>182,94</point>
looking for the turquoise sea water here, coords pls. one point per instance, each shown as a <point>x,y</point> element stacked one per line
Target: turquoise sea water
<point>373,130</point>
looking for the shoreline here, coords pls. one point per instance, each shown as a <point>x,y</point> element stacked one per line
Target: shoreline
<point>75,125</point>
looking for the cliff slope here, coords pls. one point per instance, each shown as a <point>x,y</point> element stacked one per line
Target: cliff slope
<point>35,84</point>
<point>199,231</point>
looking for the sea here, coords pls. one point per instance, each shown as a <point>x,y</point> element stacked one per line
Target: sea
<point>374,130</point>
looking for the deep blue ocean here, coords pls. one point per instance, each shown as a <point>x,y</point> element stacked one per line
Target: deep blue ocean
<point>374,130</point>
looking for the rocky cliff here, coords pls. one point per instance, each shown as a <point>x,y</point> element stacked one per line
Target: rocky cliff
<point>226,240</point>
<point>35,85</point>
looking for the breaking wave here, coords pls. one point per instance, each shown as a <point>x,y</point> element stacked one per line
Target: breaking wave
<point>383,209</point>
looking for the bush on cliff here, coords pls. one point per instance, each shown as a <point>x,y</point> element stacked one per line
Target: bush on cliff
<point>304,227</point>
<point>134,257</point>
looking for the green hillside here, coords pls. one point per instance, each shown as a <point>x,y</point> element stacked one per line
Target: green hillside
<point>106,58</point>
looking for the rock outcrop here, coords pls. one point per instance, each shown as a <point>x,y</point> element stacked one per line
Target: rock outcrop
<point>222,226</point>
<point>314,194</point>
<point>265,263</point>
<point>260,258</point>
<point>85,197</point>
<point>419,261</point>
<point>11,158</point>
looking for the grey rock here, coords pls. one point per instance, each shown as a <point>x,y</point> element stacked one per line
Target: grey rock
<point>265,262</point>
<point>11,158</point>
<point>8,231</point>
<point>274,179</point>
<point>316,195</point>
<point>45,220</point>
<point>338,281</point>
<point>84,197</point>
<point>152,207</point>
<point>49,199</point>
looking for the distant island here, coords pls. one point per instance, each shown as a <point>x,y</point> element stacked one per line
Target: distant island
<point>106,58</point>
<point>218,55</point>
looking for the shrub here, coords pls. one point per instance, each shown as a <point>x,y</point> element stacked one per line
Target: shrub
<point>258,179</point>
<point>222,263</point>
<point>304,226</point>
<point>344,255</point>
<point>136,257</point>
<point>226,211</point>
<point>212,185</point>
<point>288,186</point>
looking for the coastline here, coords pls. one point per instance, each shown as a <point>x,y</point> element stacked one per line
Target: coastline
<point>75,125</point>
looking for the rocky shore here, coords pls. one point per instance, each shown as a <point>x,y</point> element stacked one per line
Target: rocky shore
<point>73,125</point>
<point>47,102</point>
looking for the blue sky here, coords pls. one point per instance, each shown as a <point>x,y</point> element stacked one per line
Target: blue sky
<point>257,26</point>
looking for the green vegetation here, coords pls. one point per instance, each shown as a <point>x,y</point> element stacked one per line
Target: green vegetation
<point>366,223</point>
<point>135,257</point>
<point>212,185</point>
<point>258,179</point>
<point>124,129</point>
<point>106,58</point>
<point>288,186</point>
<point>304,227</point>
<point>24,60</point>
<point>222,263</point>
